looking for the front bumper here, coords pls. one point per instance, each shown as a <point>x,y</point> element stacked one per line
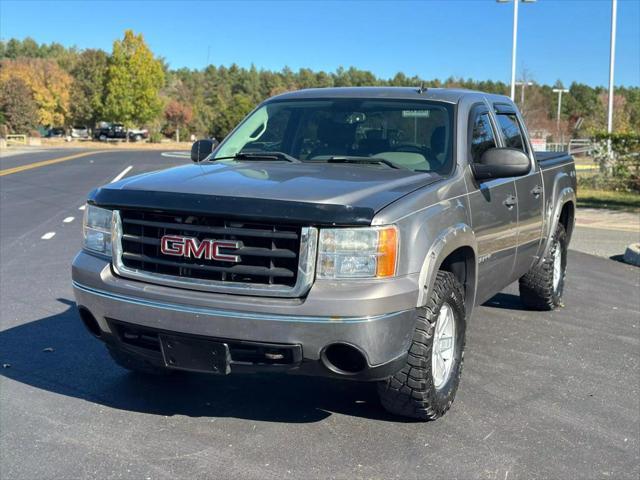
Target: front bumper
<point>379,317</point>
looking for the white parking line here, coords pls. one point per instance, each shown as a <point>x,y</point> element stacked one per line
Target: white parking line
<point>82,207</point>
<point>176,154</point>
<point>68,219</point>
<point>122,174</point>
<point>48,236</point>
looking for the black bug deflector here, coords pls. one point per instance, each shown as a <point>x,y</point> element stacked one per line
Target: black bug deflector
<point>311,193</point>
<point>241,208</point>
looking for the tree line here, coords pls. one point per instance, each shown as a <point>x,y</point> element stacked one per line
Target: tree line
<point>49,85</point>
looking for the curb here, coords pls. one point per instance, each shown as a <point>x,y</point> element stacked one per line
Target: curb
<point>632,254</point>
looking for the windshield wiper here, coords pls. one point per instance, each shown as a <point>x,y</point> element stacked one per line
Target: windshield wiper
<point>363,160</point>
<point>268,156</point>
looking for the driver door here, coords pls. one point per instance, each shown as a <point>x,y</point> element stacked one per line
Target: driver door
<point>493,210</point>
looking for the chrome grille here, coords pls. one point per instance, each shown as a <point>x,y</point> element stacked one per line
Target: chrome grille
<point>273,259</point>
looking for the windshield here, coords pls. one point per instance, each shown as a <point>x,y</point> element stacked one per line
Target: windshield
<point>408,134</point>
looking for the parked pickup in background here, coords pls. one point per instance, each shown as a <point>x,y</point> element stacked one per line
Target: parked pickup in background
<point>138,134</point>
<point>110,131</point>
<point>344,232</point>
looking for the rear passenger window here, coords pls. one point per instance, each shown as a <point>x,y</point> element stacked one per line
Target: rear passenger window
<point>482,138</point>
<point>511,131</point>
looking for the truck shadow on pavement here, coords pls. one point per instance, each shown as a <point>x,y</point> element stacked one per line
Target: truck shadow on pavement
<point>56,354</point>
<point>507,301</point>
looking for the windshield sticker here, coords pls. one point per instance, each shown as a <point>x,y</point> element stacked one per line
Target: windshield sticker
<point>415,113</point>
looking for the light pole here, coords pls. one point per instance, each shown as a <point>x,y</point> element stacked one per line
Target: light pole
<point>515,41</point>
<point>523,84</point>
<point>559,91</point>
<point>612,61</point>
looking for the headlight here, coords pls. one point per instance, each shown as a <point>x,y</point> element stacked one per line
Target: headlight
<point>357,252</point>
<point>96,230</point>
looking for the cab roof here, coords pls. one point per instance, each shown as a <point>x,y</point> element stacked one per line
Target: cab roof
<point>449,95</point>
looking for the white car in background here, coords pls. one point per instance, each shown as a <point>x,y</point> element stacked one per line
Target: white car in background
<point>80,133</point>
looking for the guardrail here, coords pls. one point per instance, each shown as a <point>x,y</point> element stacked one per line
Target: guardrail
<point>556,147</point>
<point>579,146</point>
<point>576,146</point>
<point>18,139</point>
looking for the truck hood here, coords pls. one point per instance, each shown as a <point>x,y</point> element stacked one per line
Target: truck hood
<point>311,193</point>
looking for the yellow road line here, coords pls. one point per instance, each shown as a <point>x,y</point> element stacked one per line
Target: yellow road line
<point>582,166</point>
<point>29,166</point>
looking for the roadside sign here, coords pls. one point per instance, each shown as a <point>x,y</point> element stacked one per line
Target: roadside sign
<point>539,144</point>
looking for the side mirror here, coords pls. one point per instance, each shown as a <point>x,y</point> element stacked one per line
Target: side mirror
<point>201,149</point>
<point>501,163</point>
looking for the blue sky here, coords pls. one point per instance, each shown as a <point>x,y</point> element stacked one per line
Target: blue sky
<point>558,39</point>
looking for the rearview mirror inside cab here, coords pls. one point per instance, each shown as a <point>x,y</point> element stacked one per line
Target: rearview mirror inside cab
<point>501,163</point>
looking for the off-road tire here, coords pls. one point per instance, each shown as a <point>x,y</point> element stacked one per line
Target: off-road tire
<point>411,392</point>
<point>136,364</point>
<point>537,291</point>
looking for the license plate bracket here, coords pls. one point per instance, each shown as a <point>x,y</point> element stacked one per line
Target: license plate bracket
<point>195,355</point>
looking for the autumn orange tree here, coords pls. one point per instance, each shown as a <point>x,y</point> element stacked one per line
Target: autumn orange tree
<point>49,85</point>
<point>178,115</point>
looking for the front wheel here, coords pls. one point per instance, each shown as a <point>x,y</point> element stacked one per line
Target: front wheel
<point>541,288</point>
<point>426,386</point>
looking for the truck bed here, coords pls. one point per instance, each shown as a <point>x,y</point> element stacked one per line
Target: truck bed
<point>545,158</point>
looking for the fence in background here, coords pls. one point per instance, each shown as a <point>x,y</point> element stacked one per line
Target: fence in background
<point>576,146</point>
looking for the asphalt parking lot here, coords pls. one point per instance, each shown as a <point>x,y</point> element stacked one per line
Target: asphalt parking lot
<point>543,395</point>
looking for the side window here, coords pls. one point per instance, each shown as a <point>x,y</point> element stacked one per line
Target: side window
<point>511,131</point>
<point>482,137</point>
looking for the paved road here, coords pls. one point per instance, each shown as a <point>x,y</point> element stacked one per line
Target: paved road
<point>543,395</point>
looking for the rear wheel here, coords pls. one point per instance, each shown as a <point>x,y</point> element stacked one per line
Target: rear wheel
<point>427,384</point>
<point>542,287</point>
<point>135,363</point>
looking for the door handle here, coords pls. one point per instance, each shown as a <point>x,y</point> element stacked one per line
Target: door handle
<point>537,190</point>
<point>510,202</point>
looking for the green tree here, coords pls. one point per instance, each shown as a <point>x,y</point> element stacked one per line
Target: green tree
<point>239,106</point>
<point>583,102</point>
<point>218,96</point>
<point>632,94</point>
<point>134,80</point>
<point>17,107</point>
<point>29,48</point>
<point>87,90</point>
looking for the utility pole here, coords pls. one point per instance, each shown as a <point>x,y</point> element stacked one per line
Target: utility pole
<point>612,61</point>
<point>515,41</point>
<point>559,91</point>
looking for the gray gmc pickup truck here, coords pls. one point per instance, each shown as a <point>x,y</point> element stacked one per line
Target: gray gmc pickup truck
<point>344,232</point>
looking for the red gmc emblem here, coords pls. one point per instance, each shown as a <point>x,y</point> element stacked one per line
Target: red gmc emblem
<point>193,248</point>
